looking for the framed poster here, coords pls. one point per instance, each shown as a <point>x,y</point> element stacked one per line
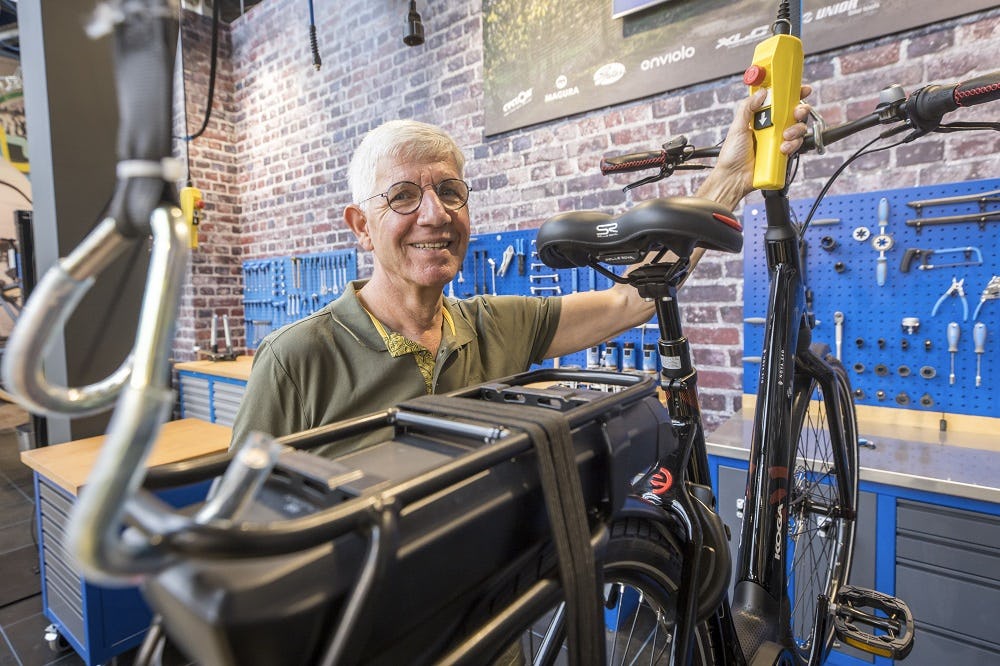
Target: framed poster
<point>545,59</point>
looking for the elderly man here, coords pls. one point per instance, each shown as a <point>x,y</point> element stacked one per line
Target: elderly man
<point>396,336</point>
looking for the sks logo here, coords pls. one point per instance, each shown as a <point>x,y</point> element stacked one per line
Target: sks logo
<point>661,482</point>
<point>607,230</point>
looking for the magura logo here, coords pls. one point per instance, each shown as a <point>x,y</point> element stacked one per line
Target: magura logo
<point>607,230</point>
<point>562,92</point>
<point>609,74</point>
<point>523,99</point>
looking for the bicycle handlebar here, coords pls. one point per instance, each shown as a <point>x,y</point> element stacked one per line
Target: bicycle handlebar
<point>922,111</point>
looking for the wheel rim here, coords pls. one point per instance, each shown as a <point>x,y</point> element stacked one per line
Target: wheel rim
<point>820,536</point>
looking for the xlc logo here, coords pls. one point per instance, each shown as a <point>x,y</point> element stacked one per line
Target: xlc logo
<point>607,230</point>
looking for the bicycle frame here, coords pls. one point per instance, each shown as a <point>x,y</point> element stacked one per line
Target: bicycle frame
<point>762,569</point>
<point>762,566</point>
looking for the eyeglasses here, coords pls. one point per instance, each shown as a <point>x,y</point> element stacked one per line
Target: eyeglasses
<point>405,197</point>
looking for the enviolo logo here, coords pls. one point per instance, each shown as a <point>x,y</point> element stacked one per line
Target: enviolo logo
<point>669,58</point>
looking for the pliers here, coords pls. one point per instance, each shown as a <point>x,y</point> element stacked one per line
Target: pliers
<point>955,288</point>
<point>991,292</point>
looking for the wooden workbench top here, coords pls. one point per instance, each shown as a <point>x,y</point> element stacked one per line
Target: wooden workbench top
<point>68,465</point>
<point>238,369</point>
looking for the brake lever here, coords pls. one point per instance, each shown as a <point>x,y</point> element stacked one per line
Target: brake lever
<point>649,179</point>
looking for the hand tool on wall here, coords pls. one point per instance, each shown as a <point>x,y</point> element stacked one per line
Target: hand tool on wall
<point>957,288</point>
<point>505,260</point>
<point>980,218</point>
<point>979,342</point>
<point>838,324</point>
<point>953,333</point>
<point>485,260</point>
<point>520,256</point>
<point>971,256</point>
<point>991,292</point>
<point>982,198</point>
<point>493,275</point>
<point>475,271</point>
<point>882,242</point>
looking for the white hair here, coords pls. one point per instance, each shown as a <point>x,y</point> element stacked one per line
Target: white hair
<point>403,141</point>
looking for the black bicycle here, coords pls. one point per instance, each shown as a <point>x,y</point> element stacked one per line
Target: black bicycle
<point>532,504</point>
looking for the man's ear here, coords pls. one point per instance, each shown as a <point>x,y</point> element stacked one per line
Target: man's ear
<point>358,223</point>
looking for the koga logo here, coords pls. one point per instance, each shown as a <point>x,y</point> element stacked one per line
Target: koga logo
<point>682,53</point>
<point>609,73</point>
<point>607,230</point>
<point>739,38</point>
<point>777,532</point>
<point>846,7</point>
<point>562,91</point>
<point>523,99</point>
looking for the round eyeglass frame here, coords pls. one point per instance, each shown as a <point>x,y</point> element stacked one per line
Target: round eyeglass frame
<point>435,187</point>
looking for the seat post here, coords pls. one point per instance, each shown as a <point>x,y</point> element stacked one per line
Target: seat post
<point>659,283</point>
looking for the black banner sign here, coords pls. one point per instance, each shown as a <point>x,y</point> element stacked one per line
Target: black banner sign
<point>546,59</point>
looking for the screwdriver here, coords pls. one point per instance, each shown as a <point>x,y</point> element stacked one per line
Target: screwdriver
<point>979,339</point>
<point>953,331</point>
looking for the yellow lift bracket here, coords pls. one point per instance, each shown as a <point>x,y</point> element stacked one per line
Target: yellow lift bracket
<point>777,68</point>
<point>191,205</point>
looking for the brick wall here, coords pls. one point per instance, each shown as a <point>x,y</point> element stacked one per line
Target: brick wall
<point>274,171</point>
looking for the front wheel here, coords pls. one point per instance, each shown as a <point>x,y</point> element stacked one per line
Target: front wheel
<point>641,578</point>
<point>823,500</point>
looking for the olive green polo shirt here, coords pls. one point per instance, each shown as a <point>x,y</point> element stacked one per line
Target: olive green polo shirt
<point>334,365</point>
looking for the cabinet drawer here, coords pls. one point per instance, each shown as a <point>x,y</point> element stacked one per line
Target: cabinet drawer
<point>193,386</point>
<point>227,391</point>
<point>949,604</point>
<point>947,523</point>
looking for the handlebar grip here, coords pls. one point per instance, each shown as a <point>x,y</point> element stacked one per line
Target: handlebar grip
<point>985,88</point>
<point>928,104</point>
<point>634,162</point>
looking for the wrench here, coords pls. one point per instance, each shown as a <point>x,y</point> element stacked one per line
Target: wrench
<point>493,275</point>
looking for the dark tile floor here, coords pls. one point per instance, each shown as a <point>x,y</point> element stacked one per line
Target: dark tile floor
<point>22,624</point>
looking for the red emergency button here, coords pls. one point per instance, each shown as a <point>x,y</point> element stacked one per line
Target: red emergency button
<point>754,75</point>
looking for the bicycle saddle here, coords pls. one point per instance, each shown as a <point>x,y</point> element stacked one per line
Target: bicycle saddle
<point>678,224</point>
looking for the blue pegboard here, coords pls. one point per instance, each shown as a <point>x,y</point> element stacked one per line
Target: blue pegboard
<point>841,271</point>
<point>280,290</point>
<point>525,274</point>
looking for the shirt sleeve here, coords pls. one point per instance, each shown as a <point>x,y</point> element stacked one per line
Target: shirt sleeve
<point>272,401</point>
<point>519,328</point>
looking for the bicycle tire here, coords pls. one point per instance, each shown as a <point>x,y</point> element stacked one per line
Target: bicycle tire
<point>641,573</point>
<point>821,533</point>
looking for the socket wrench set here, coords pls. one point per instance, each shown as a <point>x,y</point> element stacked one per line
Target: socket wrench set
<point>905,288</point>
<point>280,290</point>
<point>507,263</point>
